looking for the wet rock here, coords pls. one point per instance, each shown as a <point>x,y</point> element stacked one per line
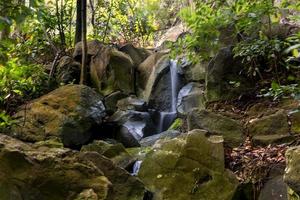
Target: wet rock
<point>214,123</point>
<point>68,71</point>
<point>132,103</point>
<point>132,126</point>
<point>169,134</point>
<point>111,101</point>
<point>189,97</point>
<point>190,166</point>
<point>67,113</point>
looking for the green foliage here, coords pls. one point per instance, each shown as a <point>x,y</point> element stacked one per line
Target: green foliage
<point>213,20</point>
<point>176,125</point>
<point>277,91</point>
<point>260,55</point>
<point>19,82</point>
<point>5,121</point>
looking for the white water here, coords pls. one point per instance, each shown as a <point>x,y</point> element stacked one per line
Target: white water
<point>166,118</point>
<point>136,168</point>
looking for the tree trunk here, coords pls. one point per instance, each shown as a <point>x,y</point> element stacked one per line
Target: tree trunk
<point>83,75</point>
<point>78,22</point>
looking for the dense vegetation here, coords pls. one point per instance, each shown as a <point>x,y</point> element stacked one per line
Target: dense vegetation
<point>263,33</point>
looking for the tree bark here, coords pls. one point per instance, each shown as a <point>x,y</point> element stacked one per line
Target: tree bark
<point>83,76</point>
<point>78,22</point>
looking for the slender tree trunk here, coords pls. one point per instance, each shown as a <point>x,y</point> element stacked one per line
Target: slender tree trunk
<point>83,75</point>
<point>78,22</point>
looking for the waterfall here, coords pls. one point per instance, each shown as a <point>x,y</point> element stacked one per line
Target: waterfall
<point>166,118</point>
<point>136,168</point>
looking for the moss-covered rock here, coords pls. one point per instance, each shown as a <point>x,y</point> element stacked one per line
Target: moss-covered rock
<point>115,152</point>
<point>67,113</point>
<point>292,176</point>
<point>188,167</point>
<point>276,123</point>
<point>214,123</point>
<point>31,173</point>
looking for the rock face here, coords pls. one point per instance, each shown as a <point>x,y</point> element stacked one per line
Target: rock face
<point>194,72</point>
<point>145,69</point>
<point>56,173</point>
<point>292,176</point>
<point>214,123</point>
<point>111,71</point>
<point>220,72</point>
<point>68,71</point>
<point>270,129</point>
<point>149,141</point>
<point>138,55</point>
<point>115,152</point>
<point>132,126</point>
<point>189,97</point>
<point>188,167</point>
<point>68,113</point>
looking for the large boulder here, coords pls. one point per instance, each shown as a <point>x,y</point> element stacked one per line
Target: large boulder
<point>68,71</point>
<point>132,126</point>
<point>145,69</point>
<point>194,72</point>
<point>112,70</point>
<point>56,173</point>
<point>223,78</point>
<point>67,113</point>
<point>270,129</point>
<point>160,82</point>
<point>138,55</point>
<point>93,48</point>
<point>189,97</point>
<point>214,123</point>
<point>150,140</point>
<point>132,103</point>
<point>188,167</point>
<point>111,101</point>
<point>292,175</point>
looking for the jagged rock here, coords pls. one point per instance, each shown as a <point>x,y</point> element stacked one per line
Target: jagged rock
<point>158,91</point>
<point>132,103</point>
<point>111,101</point>
<point>115,152</point>
<point>145,69</point>
<point>221,71</point>
<point>273,124</point>
<point>149,141</point>
<point>189,97</point>
<point>294,117</point>
<point>67,113</point>
<point>188,167</point>
<point>93,48</point>
<point>68,71</point>
<point>214,123</point>
<point>274,188</point>
<point>194,72</point>
<point>56,173</point>
<point>138,55</point>
<point>112,70</point>
<point>291,175</point>
<point>132,126</point>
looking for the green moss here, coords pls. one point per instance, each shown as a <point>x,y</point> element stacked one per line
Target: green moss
<point>176,125</point>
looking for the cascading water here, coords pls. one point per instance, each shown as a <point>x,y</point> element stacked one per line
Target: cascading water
<point>166,118</point>
<point>136,168</point>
